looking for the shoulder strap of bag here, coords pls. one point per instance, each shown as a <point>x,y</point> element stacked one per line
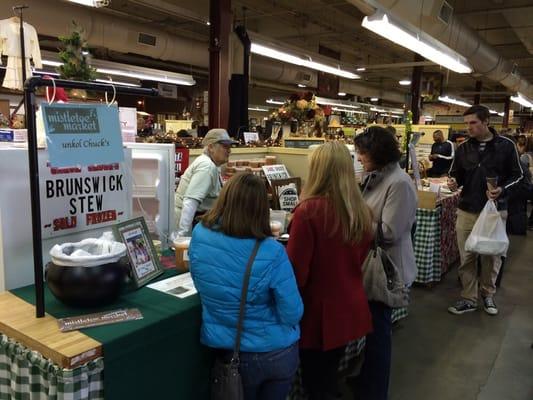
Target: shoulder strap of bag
<point>378,238</point>
<point>244,293</point>
<point>379,228</point>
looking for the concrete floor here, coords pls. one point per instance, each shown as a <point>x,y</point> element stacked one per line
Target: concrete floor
<point>440,356</point>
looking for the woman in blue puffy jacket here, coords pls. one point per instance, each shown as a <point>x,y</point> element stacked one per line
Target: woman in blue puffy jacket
<point>219,251</point>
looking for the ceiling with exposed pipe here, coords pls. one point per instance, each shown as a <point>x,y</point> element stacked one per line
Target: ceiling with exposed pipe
<point>494,35</point>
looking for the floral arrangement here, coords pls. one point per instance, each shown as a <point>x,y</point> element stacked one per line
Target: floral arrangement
<point>300,106</point>
<point>4,121</point>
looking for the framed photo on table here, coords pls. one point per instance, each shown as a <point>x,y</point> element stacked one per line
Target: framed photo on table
<point>143,258</point>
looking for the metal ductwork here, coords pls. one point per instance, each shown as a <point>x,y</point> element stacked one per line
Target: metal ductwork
<point>117,34</point>
<point>355,87</point>
<point>281,72</point>
<point>434,18</point>
<point>124,36</point>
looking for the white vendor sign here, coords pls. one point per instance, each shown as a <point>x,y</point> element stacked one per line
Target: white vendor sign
<point>75,199</point>
<point>277,171</point>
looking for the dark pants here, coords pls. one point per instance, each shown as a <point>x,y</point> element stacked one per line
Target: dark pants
<point>517,215</point>
<point>373,381</point>
<point>268,376</point>
<point>320,372</point>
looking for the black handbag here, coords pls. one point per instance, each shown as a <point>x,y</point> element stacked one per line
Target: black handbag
<point>226,383</point>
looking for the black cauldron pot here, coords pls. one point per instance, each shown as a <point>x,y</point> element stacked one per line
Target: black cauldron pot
<point>86,286</point>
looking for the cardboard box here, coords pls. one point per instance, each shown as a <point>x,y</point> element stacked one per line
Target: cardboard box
<point>427,199</point>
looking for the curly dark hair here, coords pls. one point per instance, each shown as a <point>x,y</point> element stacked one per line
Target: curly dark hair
<point>380,144</point>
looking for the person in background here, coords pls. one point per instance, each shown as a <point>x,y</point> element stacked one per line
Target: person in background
<point>330,235</point>
<point>183,133</point>
<point>220,248</point>
<point>201,182</point>
<point>517,221</point>
<point>202,131</point>
<point>193,132</point>
<point>442,152</point>
<point>528,159</point>
<point>390,193</point>
<point>487,167</point>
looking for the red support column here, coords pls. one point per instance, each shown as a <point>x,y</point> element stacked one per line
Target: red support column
<point>477,96</point>
<point>220,19</point>
<point>416,83</point>
<point>506,108</point>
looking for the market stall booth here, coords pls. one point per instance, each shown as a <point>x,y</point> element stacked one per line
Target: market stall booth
<point>110,359</point>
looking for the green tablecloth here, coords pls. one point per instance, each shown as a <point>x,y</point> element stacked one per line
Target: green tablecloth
<point>157,357</point>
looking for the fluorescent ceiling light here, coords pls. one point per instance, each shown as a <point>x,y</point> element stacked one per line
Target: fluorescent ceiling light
<point>338,103</point>
<point>52,63</point>
<point>257,109</point>
<point>91,3</point>
<point>308,63</point>
<point>110,82</point>
<point>348,110</point>
<point>522,100</point>
<point>361,69</point>
<point>341,94</point>
<point>427,47</point>
<point>164,78</point>
<point>451,100</point>
<point>135,72</point>
<point>501,114</point>
<point>374,99</point>
<point>45,73</point>
<point>380,110</point>
<point>272,101</point>
<point>404,82</point>
<point>301,85</point>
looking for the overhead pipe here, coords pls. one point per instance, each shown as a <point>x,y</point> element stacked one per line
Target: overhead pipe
<point>120,35</point>
<point>456,35</point>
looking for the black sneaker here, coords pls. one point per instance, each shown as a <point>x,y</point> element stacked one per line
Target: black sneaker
<point>490,306</point>
<point>462,306</point>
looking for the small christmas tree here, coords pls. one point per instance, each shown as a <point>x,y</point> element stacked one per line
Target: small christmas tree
<point>75,56</point>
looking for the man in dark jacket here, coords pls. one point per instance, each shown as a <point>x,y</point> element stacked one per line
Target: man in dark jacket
<point>487,167</point>
<point>442,153</point>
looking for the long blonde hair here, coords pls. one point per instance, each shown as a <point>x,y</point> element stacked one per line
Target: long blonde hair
<point>331,175</point>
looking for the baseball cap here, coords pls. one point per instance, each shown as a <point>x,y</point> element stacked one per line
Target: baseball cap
<point>217,135</point>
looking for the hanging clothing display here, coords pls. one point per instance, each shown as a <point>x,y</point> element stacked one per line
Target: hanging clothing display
<point>10,47</point>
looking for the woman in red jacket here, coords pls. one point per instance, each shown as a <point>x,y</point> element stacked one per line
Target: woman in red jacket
<point>330,235</point>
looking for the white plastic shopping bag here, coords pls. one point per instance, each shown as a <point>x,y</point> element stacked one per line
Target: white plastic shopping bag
<point>488,235</point>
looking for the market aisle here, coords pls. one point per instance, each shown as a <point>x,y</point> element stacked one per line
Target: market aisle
<point>474,356</point>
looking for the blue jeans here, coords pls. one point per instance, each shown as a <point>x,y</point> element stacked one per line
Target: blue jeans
<point>268,376</point>
<point>373,380</point>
